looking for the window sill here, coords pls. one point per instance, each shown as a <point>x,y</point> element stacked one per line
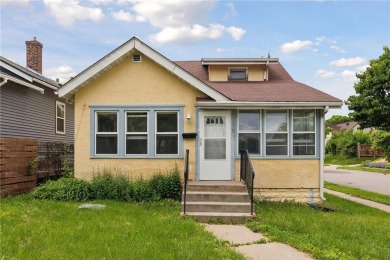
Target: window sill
<point>136,157</point>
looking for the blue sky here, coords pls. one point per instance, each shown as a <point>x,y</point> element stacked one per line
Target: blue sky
<point>320,43</point>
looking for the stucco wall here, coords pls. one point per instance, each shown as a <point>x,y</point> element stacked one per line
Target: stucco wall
<point>220,72</point>
<point>128,83</point>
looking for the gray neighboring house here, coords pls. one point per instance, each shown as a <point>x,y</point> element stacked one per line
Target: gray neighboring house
<point>29,103</point>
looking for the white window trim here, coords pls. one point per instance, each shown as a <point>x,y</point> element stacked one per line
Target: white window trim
<point>284,132</point>
<point>166,133</point>
<point>106,133</point>
<point>57,117</point>
<point>249,131</point>
<point>238,68</point>
<point>304,132</point>
<point>137,133</point>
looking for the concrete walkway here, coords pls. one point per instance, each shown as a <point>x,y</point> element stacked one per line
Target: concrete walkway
<point>375,182</point>
<point>369,203</point>
<point>244,241</point>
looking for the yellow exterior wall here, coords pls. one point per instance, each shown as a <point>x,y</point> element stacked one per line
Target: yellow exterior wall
<point>128,83</point>
<point>220,72</point>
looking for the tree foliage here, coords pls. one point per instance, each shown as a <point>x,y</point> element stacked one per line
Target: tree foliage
<point>338,119</point>
<point>381,140</point>
<point>345,142</point>
<point>371,105</point>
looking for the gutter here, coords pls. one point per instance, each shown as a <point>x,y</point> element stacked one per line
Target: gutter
<point>21,82</point>
<point>322,152</point>
<point>3,82</point>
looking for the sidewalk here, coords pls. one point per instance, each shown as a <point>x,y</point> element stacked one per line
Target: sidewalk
<point>245,242</point>
<point>369,203</point>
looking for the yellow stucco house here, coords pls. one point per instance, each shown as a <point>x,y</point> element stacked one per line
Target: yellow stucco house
<point>136,112</point>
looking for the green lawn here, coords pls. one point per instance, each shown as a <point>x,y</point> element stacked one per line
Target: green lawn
<point>365,169</point>
<point>344,160</point>
<point>351,231</point>
<point>39,229</point>
<point>381,198</point>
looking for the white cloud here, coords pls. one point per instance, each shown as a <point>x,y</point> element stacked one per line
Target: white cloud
<point>232,10</point>
<point>20,3</point>
<point>66,12</point>
<point>295,46</point>
<point>63,73</point>
<point>362,68</point>
<point>236,32</point>
<point>321,38</point>
<point>350,62</point>
<point>123,16</point>
<point>337,49</point>
<point>222,50</point>
<point>188,34</point>
<point>99,2</point>
<point>349,75</point>
<point>324,74</point>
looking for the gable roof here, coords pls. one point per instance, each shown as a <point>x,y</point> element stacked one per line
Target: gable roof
<point>122,52</point>
<point>15,70</point>
<point>279,88</point>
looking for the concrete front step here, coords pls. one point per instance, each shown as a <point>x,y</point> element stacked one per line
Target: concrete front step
<point>212,206</point>
<point>207,217</point>
<point>217,186</point>
<point>217,196</point>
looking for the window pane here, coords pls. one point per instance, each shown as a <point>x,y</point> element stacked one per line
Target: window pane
<point>237,74</point>
<point>60,125</point>
<point>107,122</point>
<point>304,144</point>
<point>276,144</point>
<point>215,126</point>
<point>303,120</point>
<point>167,122</point>
<point>106,144</point>
<point>249,120</point>
<point>136,144</point>
<point>276,121</point>
<point>250,142</point>
<point>167,144</point>
<point>60,110</point>
<point>137,122</point>
<point>215,148</point>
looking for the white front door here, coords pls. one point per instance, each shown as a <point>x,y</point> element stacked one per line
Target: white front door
<point>215,145</point>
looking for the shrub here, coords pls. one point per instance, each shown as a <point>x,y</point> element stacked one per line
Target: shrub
<point>107,186</point>
<point>345,142</point>
<point>381,140</point>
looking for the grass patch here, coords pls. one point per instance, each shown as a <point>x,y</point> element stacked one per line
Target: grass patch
<point>345,160</point>
<point>43,229</point>
<point>368,195</point>
<point>365,169</point>
<point>347,231</point>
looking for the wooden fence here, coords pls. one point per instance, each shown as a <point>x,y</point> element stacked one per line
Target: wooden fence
<point>15,156</point>
<point>24,163</point>
<point>365,150</point>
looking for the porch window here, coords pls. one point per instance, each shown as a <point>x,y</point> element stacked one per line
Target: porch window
<point>60,118</point>
<point>276,132</point>
<point>249,133</point>
<point>167,132</point>
<point>136,133</point>
<point>106,132</point>
<point>304,132</point>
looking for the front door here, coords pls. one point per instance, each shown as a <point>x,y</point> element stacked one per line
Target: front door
<point>215,145</point>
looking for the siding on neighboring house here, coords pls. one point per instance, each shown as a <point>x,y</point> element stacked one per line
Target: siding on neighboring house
<point>30,114</point>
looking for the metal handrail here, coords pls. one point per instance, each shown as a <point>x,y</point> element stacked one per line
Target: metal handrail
<point>185,179</point>
<point>247,174</point>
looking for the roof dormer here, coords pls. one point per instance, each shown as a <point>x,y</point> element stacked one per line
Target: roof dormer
<point>238,69</point>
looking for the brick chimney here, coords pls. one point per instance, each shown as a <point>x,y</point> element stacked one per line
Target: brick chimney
<point>34,55</point>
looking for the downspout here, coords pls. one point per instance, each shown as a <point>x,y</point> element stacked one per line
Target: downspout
<point>3,82</point>
<point>322,151</point>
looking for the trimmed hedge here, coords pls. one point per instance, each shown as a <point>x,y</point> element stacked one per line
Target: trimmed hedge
<point>106,186</point>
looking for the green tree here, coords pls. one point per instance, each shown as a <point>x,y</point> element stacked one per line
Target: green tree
<point>338,119</point>
<point>371,105</point>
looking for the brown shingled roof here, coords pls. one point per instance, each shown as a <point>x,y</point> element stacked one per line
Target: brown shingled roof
<point>280,88</point>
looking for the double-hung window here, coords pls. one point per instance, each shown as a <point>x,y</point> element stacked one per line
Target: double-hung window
<point>167,132</point>
<point>304,132</point>
<point>60,118</point>
<point>249,131</point>
<point>136,132</point>
<point>276,132</point>
<point>106,132</point>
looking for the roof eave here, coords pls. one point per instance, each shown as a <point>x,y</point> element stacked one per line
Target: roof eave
<point>292,104</point>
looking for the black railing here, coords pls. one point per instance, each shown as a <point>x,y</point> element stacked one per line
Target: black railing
<point>247,174</point>
<point>185,179</point>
